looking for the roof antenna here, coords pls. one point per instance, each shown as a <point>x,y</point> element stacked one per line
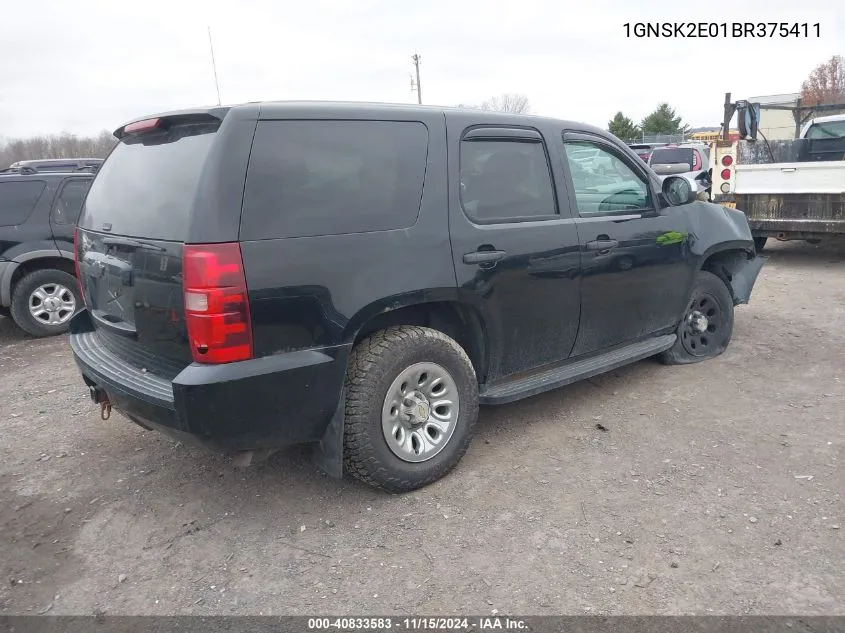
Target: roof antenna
<point>213,65</point>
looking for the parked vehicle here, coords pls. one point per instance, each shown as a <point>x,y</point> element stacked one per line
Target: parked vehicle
<point>37,217</point>
<point>790,189</point>
<point>643,150</point>
<point>690,160</point>
<point>679,159</point>
<point>362,277</point>
<point>825,127</point>
<point>61,165</point>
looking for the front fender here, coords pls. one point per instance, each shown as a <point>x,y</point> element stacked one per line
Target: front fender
<point>722,242</point>
<point>744,277</point>
<point>716,228</point>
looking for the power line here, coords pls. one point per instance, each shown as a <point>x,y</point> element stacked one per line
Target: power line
<point>213,65</point>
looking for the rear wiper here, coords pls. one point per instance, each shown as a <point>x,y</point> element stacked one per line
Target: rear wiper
<point>126,241</point>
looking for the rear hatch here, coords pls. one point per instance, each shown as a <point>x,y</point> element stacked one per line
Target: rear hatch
<point>676,160</point>
<point>137,217</point>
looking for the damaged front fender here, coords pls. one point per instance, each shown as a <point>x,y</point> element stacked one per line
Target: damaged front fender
<point>723,244</point>
<point>744,277</point>
<point>738,270</point>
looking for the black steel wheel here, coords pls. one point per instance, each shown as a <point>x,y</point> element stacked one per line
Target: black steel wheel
<point>707,324</point>
<point>700,329</point>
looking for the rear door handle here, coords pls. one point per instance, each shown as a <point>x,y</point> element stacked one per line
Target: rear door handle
<point>483,257</point>
<point>601,245</point>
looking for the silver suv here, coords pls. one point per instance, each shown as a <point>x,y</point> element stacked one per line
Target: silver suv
<point>692,161</point>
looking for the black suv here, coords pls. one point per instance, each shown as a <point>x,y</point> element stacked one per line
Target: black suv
<point>364,276</point>
<point>38,212</point>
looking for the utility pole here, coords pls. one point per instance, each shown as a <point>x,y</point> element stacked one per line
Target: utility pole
<point>417,86</point>
<point>730,108</point>
<point>213,65</point>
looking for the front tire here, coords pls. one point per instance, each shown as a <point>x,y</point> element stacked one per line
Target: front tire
<point>706,327</point>
<point>411,404</point>
<point>44,301</point>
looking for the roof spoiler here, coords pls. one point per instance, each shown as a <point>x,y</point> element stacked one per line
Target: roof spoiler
<point>162,122</point>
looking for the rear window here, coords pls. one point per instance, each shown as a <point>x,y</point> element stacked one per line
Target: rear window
<point>17,200</point>
<point>147,186</point>
<point>672,157</point>
<point>308,178</point>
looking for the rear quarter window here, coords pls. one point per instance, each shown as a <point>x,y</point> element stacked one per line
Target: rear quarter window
<point>309,178</point>
<point>69,202</point>
<point>18,199</point>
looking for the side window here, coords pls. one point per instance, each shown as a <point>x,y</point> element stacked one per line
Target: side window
<point>308,178</point>
<point>604,183</point>
<point>17,200</point>
<point>504,180</point>
<point>69,203</point>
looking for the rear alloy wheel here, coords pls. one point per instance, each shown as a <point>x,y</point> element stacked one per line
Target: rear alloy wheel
<point>411,403</point>
<point>706,327</point>
<point>44,302</point>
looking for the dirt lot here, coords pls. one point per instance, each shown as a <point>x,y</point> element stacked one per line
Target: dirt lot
<point>716,488</point>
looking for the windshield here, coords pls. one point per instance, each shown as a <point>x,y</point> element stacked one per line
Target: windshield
<point>828,129</point>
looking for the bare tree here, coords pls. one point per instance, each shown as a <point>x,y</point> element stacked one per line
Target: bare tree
<point>64,145</point>
<point>826,84</point>
<point>507,102</point>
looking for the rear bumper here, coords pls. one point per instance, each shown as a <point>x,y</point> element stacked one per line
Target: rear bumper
<point>267,403</point>
<point>806,227</point>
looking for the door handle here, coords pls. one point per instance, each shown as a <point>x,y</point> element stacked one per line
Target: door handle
<point>483,257</point>
<point>601,245</point>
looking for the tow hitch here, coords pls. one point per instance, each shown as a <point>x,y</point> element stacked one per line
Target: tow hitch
<point>99,396</point>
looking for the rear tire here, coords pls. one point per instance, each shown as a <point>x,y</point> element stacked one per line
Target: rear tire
<point>760,243</point>
<point>44,301</point>
<point>707,324</point>
<point>394,428</point>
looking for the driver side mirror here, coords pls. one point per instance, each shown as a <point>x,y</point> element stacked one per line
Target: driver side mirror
<point>678,191</point>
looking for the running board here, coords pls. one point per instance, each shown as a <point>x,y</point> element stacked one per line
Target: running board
<point>574,371</point>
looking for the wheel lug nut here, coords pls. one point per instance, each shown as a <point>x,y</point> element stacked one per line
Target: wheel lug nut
<point>408,402</point>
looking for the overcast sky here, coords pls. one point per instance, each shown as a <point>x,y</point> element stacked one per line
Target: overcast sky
<point>85,66</point>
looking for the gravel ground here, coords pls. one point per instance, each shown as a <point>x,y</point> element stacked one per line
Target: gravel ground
<point>715,488</point>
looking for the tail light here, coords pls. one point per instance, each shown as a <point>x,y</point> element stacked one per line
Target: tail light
<point>726,174</point>
<point>216,303</point>
<point>76,263</point>
<point>727,160</point>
